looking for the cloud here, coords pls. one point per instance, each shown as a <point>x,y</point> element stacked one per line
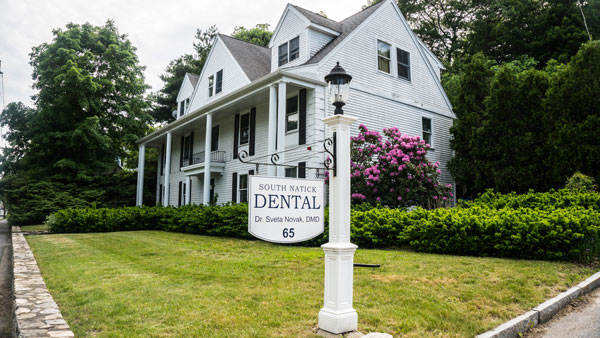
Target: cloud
<point>161,30</point>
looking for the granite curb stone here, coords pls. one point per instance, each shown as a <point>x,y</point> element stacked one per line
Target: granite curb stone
<point>37,313</point>
<point>543,312</point>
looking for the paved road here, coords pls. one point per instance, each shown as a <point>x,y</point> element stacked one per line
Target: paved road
<point>583,322</point>
<point>6,277</point>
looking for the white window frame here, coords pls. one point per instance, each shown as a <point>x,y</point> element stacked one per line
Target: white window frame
<point>398,64</point>
<point>288,51</point>
<point>239,188</point>
<point>377,41</point>
<point>289,131</point>
<point>431,133</point>
<point>211,85</point>
<point>295,169</point>
<point>240,130</point>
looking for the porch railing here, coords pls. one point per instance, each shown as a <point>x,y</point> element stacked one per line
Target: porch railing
<point>219,156</point>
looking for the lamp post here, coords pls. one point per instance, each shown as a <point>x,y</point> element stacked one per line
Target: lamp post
<point>337,315</point>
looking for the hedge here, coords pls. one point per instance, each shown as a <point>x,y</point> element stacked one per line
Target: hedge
<point>536,225</point>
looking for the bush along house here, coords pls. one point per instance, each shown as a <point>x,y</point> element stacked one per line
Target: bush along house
<point>262,101</point>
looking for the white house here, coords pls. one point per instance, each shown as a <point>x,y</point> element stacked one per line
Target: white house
<point>267,101</point>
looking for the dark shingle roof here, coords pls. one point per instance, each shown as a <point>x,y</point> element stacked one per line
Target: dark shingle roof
<point>193,78</point>
<point>255,60</point>
<point>319,19</point>
<point>348,25</point>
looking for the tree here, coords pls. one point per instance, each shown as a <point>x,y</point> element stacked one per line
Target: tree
<point>89,110</point>
<point>259,35</point>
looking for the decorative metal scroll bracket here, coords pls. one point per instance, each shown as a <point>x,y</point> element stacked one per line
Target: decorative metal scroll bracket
<point>274,158</point>
<point>330,162</point>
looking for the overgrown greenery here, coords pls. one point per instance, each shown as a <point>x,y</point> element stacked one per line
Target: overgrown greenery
<point>522,128</point>
<point>549,225</point>
<point>89,110</point>
<point>156,284</point>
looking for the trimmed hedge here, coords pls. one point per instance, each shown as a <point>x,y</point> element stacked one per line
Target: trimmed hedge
<point>536,225</point>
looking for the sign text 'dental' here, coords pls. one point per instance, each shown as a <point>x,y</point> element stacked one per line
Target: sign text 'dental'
<point>285,210</point>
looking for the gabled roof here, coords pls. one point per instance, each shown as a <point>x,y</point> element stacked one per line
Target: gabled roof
<point>347,26</point>
<point>319,19</point>
<point>193,78</point>
<point>254,60</point>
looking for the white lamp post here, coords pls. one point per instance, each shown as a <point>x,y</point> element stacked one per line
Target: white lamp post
<point>338,315</point>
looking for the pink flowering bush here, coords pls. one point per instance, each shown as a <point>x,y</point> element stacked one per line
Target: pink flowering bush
<point>392,170</point>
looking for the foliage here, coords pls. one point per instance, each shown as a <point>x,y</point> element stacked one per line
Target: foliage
<point>258,35</point>
<point>521,128</point>
<point>394,171</point>
<point>581,182</point>
<point>89,110</point>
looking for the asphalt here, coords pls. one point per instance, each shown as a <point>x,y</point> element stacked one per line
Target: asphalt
<point>583,322</point>
<point>6,279</point>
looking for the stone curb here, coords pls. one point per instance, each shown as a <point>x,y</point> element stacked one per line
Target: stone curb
<point>543,312</point>
<point>37,313</point>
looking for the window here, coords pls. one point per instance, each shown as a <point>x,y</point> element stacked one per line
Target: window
<point>403,63</point>
<point>161,192</point>
<point>291,115</point>
<point>243,188</point>
<point>214,139</point>
<point>211,83</point>
<point>245,128</point>
<point>219,85</point>
<point>181,107</point>
<point>187,102</point>
<point>294,48</point>
<point>283,54</point>
<point>187,144</point>
<point>291,172</point>
<point>427,130</point>
<point>383,56</point>
<point>183,191</point>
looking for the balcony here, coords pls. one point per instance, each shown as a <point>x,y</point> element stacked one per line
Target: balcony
<point>196,162</point>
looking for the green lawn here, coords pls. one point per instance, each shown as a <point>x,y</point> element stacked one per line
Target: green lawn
<point>35,227</point>
<point>159,284</point>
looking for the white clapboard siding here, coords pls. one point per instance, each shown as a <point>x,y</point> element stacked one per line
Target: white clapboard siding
<point>233,75</point>
<point>317,40</point>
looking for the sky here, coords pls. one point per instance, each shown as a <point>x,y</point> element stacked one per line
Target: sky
<point>161,30</point>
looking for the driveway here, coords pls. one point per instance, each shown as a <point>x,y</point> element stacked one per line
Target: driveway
<point>6,278</point>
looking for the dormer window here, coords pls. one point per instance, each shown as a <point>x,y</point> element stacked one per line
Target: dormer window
<point>211,83</point>
<point>291,49</point>
<point>219,85</point>
<point>294,48</point>
<point>283,54</point>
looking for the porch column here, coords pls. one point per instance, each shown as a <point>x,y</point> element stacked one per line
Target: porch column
<point>188,189</point>
<point>168,170</point>
<point>207,158</point>
<point>272,137</point>
<point>140,179</point>
<point>281,127</point>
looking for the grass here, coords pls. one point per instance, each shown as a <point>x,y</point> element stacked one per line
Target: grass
<point>159,284</point>
<point>38,227</point>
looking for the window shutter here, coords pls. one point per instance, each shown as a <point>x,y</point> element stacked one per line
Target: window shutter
<point>236,135</point>
<point>302,170</point>
<point>250,172</point>
<point>234,188</point>
<point>191,185</point>
<point>179,199</point>
<point>302,117</point>
<point>252,131</point>
<point>191,148</point>
<point>160,192</point>
<point>162,160</point>
<point>181,151</point>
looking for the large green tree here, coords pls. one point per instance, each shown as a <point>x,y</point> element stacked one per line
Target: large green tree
<point>89,109</point>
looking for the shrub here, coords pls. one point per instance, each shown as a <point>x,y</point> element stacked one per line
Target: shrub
<point>394,171</point>
<point>581,182</point>
<point>545,200</point>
